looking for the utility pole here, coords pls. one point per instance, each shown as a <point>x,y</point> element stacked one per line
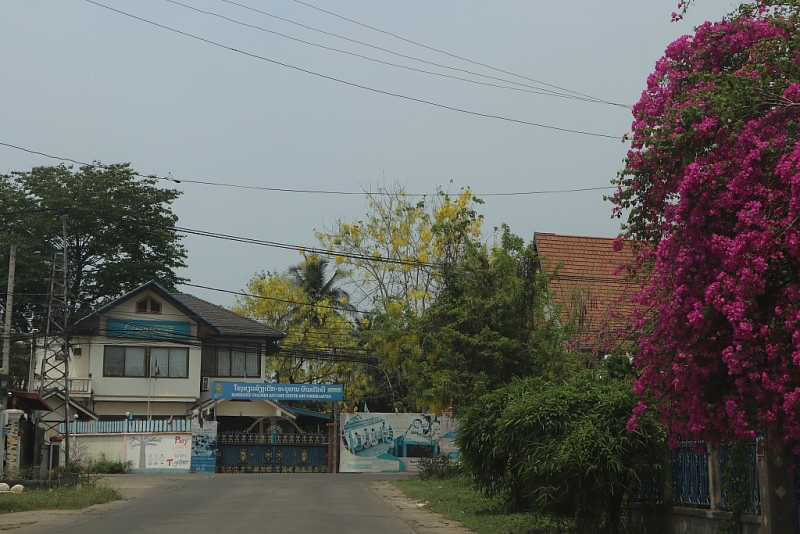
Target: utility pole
<point>12,263</point>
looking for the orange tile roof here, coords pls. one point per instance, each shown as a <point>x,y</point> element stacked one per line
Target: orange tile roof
<point>589,290</point>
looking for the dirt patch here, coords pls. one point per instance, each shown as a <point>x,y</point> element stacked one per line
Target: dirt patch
<point>414,513</point>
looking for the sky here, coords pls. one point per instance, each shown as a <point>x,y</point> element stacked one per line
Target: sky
<point>258,109</point>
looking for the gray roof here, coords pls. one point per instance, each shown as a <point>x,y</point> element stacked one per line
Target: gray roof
<point>222,321</point>
<point>225,321</point>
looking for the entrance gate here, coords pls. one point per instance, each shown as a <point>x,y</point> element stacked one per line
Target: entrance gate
<point>273,452</point>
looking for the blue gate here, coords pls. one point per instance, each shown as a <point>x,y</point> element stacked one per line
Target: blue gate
<point>247,452</point>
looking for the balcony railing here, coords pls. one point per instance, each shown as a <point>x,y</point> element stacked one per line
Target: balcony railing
<point>80,385</point>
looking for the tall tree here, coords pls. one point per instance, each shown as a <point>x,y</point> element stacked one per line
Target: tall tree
<point>391,254</point>
<point>491,323</point>
<point>321,343</point>
<point>120,230</point>
<point>311,277</point>
<point>712,191</point>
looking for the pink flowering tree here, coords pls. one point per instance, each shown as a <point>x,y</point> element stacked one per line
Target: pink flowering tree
<point>711,190</point>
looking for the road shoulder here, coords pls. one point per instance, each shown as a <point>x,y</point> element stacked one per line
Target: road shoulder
<point>414,513</point>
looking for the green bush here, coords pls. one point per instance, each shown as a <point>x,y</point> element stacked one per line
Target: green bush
<point>439,467</point>
<point>107,467</point>
<point>562,448</point>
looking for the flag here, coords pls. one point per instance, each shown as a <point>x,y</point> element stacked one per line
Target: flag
<point>200,416</point>
<point>169,423</point>
<point>156,372</point>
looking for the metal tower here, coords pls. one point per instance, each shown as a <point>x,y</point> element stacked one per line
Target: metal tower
<point>55,360</point>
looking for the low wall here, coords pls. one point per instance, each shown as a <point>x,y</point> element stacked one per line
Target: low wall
<point>648,519</point>
<point>155,452</point>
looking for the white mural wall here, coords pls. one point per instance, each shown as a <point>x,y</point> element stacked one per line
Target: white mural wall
<point>393,442</point>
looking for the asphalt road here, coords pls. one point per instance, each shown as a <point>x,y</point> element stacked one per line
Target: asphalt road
<point>275,504</point>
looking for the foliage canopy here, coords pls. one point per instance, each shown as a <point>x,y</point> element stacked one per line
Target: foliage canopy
<point>712,188</point>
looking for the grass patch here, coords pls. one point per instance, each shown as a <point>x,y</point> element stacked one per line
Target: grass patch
<point>65,498</point>
<point>456,499</point>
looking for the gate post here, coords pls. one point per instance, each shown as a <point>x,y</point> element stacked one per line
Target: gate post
<point>331,448</point>
<point>777,487</point>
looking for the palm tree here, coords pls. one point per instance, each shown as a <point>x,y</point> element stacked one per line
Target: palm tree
<point>310,276</point>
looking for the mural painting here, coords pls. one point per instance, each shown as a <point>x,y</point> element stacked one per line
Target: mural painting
<point>393,442</point>
<point>156,452</point>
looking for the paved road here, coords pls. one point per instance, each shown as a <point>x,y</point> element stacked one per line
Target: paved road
<point>276,504</point>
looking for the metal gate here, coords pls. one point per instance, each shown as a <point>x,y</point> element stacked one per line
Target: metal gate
<point>274,452</point>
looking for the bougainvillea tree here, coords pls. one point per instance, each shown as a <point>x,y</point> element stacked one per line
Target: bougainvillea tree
<point>711,190</point>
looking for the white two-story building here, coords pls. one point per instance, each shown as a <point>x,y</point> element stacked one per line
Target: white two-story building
<point>152,354</point>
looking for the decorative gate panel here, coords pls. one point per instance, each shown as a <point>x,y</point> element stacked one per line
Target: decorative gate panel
<point>245,452</point>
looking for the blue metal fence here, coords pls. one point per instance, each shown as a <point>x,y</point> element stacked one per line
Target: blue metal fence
<point>754,490</point>
<point>125,426</point>
<point>690,475</point>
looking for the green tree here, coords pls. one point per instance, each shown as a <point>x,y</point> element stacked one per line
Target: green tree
<point>120,232</point>
<point>392,257</point>
<point>321,343</point>
<point>311,277</point>
<point>490,323</point>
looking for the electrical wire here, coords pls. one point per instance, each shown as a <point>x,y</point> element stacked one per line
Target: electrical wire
<point>303,191</point>
<point>374,60</point>
<point>353,84</point>
<point>452,55</point>
<point>535,89</point>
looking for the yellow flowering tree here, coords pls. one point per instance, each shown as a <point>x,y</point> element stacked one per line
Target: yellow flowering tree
<point>393,258</point>
<point>321,343</point>
<point>392,254</point>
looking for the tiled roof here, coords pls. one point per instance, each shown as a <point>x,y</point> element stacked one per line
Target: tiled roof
<point>225,321</point>
<point>589,287</point>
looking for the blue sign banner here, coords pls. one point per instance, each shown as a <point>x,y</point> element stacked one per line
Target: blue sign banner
<point>204,447</point>
<point>135,328</point>
<point>274,391</point>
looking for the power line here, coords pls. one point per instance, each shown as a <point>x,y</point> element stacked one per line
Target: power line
<point>353,84</point>
<point>302,191</point>
<point>388,63</point>
<point>256,296</point>
<point>536,90</point>
<point>453,55</point>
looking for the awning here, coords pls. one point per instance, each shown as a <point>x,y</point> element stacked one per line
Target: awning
<point>29,401</point>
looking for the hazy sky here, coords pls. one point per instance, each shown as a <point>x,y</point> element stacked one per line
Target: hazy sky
<point>82,82</point>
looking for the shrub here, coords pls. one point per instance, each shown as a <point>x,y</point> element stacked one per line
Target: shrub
<point>107,467</point>
<point>440,466</point>
<point>562,448</point>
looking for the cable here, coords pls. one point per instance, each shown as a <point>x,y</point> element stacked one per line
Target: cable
<point>255,296</point>
<point>353,84</point>
<point>253,26</point>
<point>453,55</point>
<point>536,90</point>
<point>303,191</point>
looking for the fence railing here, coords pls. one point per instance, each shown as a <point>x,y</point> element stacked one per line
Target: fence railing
<point>753,492</point>
<point>690,483</point>
<point>125,426</point>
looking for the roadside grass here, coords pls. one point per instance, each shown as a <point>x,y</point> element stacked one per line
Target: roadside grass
<point>64,498</point>
<point>456,499</point>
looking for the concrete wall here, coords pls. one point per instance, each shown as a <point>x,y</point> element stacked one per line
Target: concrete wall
<point>126,447</point>
<point>679,520</point>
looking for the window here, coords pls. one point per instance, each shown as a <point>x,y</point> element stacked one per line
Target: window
<point>231,361</point>
<point>171,362</point>
<point>148,305</point>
